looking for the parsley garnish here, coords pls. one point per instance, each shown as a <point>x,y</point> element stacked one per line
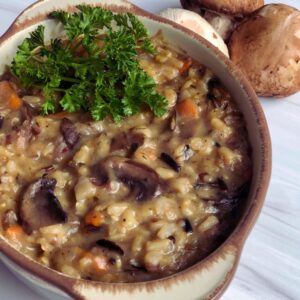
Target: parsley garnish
<point>94,69</point>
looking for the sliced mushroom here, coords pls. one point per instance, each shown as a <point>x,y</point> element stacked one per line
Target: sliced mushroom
<point>1,121</point>
<point>21,133</point>
<point>173,121</point>
<point>100,175</point>
<point>187,152</point>
<point>133,263</point>
<point>230,200</point>
<point>170,161</point>
<point>218,184</point>
<point>187,226</point>
<point>39,206</point>
<point>187,128</point>
<point>31,127</point>
<point>111,246</point>
<point>144,180</point>
<point>69,133</point>
<point>128,141</point>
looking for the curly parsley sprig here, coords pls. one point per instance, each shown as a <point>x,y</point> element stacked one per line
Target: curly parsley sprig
<point>94,69</point>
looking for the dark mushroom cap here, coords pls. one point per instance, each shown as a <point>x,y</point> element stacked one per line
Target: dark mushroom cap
<point>39,207</point>
<point>237,8</point>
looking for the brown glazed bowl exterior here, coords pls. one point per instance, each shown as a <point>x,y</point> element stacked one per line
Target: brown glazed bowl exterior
<point>208,278</point>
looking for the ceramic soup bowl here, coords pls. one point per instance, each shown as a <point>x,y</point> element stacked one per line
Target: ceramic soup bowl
<point>208,278</point>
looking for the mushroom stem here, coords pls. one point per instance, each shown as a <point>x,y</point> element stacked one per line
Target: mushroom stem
<point>223,24</point>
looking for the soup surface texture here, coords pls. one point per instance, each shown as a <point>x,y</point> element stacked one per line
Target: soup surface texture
<point>129,201</point>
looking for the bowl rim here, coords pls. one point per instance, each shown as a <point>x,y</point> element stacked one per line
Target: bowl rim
<point>235,240</point>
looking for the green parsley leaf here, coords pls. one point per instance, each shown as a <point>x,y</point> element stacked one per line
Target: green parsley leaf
<point>120,50</point>
<point>37,37</point>
<point>75,98</point>
<point>94,69</point>
<point>140,88</point>
<point>49,105</point>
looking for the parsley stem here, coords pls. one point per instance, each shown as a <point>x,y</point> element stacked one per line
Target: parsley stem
<point>59,90</point>
<point>76,46</point>
<point>69,79</point>
<point>40,60</point>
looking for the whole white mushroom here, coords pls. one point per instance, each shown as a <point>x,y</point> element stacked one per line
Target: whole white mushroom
<point>196,23</point>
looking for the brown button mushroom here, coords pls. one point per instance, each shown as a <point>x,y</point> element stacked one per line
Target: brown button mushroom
<point>267,49</point>
<point>239,8</point>
<point>222,14</point>
<point>39,207</point>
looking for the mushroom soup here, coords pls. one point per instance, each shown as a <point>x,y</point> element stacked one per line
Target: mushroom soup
<point>129,201</point>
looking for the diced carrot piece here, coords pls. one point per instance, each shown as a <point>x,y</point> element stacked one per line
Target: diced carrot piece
<point>5,90</point>
<point>15,102</point>
<point>8,96</point>
<point>187,109</point>
<point>187,64</point>
<point>14,232</point>
<point>94,218</point>
<point>100,263</point>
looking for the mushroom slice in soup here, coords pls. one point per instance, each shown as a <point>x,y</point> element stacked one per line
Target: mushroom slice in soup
<point>128,141</point>
<point>230,200</point>
<point>187,226</point>
<point>39,206</point>
<point>1,121</point>
<point>110,246</point>
<point>69,133</point>
<point>169,160</point>
<point>139,177</point>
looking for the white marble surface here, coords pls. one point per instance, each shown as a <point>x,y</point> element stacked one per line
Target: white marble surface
<point>270,263</point>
